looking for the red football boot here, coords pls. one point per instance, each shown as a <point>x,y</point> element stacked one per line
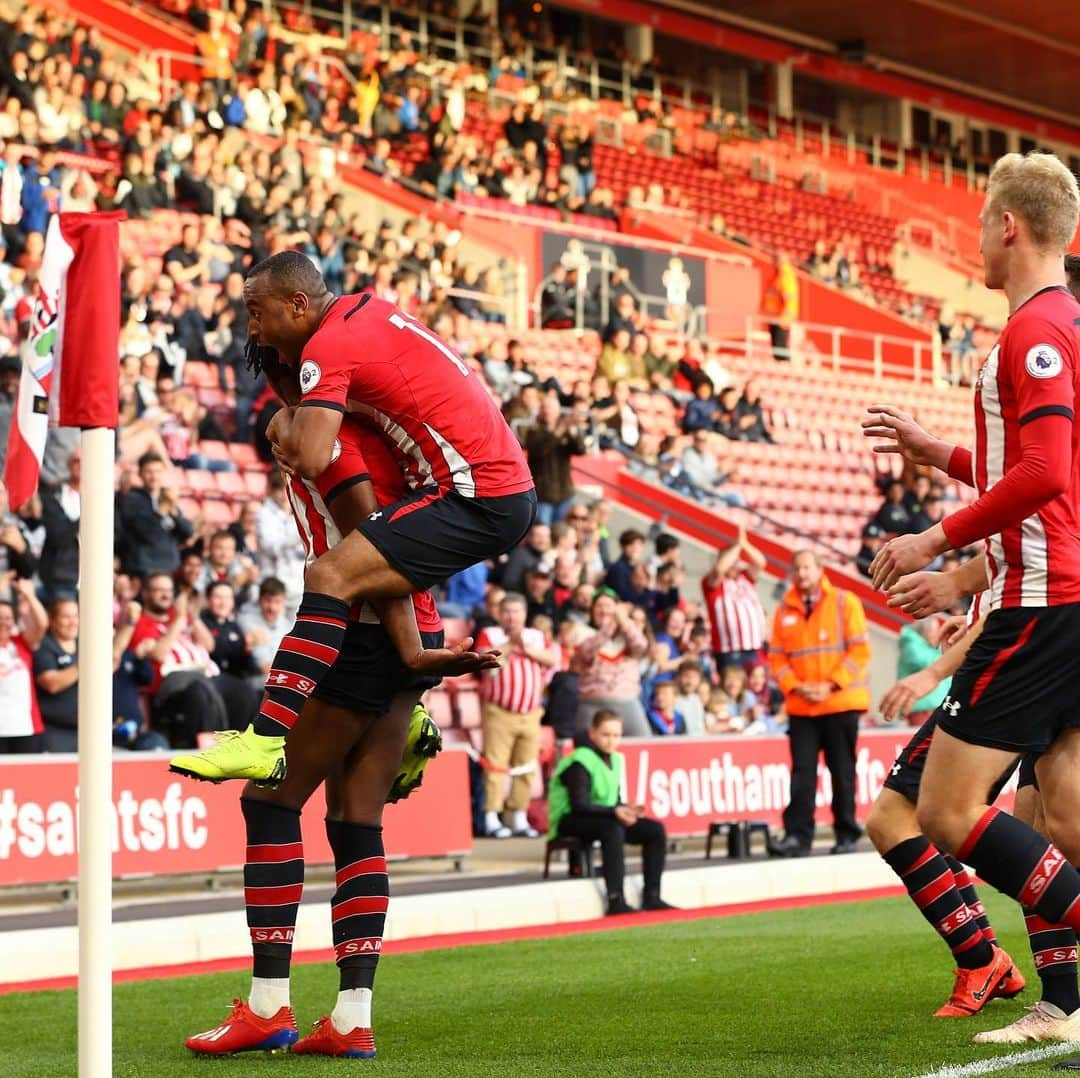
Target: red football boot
<point>245,1031</point>
<point>1013,984</point>
<point>975,988</point>
<point>324,1040</point>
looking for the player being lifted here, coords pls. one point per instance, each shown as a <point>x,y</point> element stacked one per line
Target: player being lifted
<point>1013,693</point>
<point>471,497</point>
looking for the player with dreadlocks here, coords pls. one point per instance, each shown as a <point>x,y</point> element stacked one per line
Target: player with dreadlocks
<point>471,496</point>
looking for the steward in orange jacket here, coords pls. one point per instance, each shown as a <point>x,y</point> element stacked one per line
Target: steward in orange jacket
<point>829,648</point>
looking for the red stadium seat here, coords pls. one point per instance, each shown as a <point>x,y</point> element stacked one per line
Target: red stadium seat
<point>214,450</point>
<point>255,484</point>
<point>218,514</point>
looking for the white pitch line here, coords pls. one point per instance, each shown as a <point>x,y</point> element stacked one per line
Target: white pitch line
<point>1000,1063</point>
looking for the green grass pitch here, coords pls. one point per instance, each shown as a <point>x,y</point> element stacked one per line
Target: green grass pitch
<point>844,990</point>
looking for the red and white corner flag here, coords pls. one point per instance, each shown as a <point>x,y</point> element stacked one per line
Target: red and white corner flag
<point>70,368</point>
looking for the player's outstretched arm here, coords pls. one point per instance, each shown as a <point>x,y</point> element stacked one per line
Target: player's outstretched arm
<point>924,593</point>
<point>902,435</point>
<point>900,699</point>
<point>398,616</point>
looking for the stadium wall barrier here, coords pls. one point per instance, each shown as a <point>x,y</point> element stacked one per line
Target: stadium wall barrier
<point>163,824</point>
<point>687,783</point>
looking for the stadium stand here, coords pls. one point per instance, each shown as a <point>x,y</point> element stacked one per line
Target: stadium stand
<point>218,171</point>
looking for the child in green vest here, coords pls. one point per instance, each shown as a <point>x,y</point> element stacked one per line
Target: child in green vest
<point>585,801</point>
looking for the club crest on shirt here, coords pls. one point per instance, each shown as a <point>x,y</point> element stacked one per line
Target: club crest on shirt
<point>1043,361</point>
<point>310,373</point>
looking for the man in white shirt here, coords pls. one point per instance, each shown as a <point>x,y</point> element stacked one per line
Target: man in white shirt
<point>265,624</point>
<point>281,553</point>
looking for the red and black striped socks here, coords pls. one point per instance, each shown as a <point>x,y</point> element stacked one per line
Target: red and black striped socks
<point>302,660</point>
<point>930,883</point>
<point>359,905</point>
<point>1053,947</point>
<point>971,897</point>
<point>358,910</point>
<point>1019,862</point>
<point>273,884</point>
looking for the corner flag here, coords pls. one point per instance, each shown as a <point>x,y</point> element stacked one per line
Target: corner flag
<point>70,362</point>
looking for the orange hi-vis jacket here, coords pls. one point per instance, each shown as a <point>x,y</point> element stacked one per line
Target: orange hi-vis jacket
<point>831,645</point>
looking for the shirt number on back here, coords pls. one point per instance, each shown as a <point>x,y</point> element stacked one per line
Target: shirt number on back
<point>400,322</point>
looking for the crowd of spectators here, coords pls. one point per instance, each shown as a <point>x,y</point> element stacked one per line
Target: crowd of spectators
<point>624,636</point>
<point>911,503</point>
<point>200,603</point>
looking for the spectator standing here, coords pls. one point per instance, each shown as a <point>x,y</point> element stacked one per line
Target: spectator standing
<point>525,557</point>
<point>608,663</point>
<point>56,673</point>
<point>620,574</point>
<point>873,539</point>
<point>735,613</point>
<point>465,592</point>
<point>894,517</point>
<point>149,525</point>
<point>61,509</point>
<point>264,627</point>
<point>584,800</point>
<point>920,648</point>
<point>664,716</point>
<point>224,565</point>
<point>132,672</point>
<point>688,701</point>
<point>280,553</point>
<point>513,706</point>
<point>21,630</point>
<point>782,306</point>
<point>819,654</point>
<point>550,445</point>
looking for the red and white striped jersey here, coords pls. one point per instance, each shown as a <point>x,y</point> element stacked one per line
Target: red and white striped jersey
<point>979,606</point>
<point>519,685</point>
<point>1032,373</point>
<point>185,654</point>
<point>360,453</point>
<point>735,614</point>
<point>371,359</point>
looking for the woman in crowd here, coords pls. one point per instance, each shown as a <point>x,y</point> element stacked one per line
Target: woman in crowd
<point>20,633</point>
<point>608,663</point>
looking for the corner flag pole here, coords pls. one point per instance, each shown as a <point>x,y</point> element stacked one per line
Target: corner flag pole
<point>95,753</point>
<point>70,378</point>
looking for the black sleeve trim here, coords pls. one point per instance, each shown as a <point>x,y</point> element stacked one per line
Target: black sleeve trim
<point>333,406</point>
<point>1049,409</point>
<point>344,485</point>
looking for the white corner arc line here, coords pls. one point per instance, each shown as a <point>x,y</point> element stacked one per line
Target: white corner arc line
<point>1000,1063</point>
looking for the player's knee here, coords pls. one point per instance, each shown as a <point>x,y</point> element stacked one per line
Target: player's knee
<point>891,821</point>
<point>877,828</point>
<point>1063,830</point>
<point>945,827</point>
<point>324,577</point>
